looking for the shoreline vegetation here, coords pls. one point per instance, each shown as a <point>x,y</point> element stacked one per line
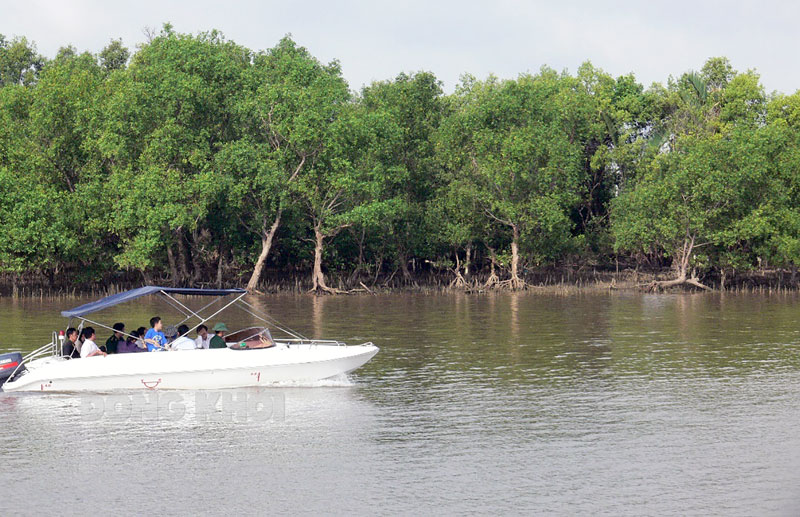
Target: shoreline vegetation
<point>195,161</point>
<point>552,281</point>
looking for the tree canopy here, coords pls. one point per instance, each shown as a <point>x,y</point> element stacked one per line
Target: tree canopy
<point>195,160</point>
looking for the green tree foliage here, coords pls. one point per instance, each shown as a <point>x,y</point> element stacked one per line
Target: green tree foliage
<point>779,227</point>
<point>49,131</point>
<point>405,114</point>
<point>34,236</point>
<point>334,192</point>
<point>515,143</point>
<point>114,56</point>
<point>195,160</point>
<point>701,196</point>
<point>285,115</point>
<point>167,116</point>
<point>62,116</point>
<point>19,62</point>
<point>616,116</point>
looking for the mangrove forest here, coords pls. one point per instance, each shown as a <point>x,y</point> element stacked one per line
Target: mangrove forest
<point>195,161</point>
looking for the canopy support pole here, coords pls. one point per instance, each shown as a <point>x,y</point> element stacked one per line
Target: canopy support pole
<point>192,313</point>
<point>173,305</point>
<point>268,319</point>
<point>199,311</point>
<point>203,320</point>
<point>105,327</point>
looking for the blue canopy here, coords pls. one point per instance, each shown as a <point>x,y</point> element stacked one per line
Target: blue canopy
<point>115,299</point>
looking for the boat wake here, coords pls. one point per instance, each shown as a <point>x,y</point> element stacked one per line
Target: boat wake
<point>338,381</point>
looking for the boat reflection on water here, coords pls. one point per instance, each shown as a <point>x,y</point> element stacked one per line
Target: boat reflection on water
<point>187,448</point>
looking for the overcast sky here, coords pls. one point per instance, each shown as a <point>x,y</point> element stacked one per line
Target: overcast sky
<point>378,39</point>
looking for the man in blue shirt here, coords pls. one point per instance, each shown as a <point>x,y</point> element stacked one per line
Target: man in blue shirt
<point>155,339</point>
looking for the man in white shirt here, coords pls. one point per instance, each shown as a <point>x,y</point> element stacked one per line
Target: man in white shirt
<point>203,337</point>
<point>89,347</point>
<point>183,342</point>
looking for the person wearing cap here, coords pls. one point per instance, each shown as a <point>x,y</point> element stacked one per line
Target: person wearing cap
<point>218,341</point>
<point>171,332</point>
<point>182,342</point>
<point>116,338</point>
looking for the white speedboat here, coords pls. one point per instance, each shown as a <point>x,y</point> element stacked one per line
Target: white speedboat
<point>253,357</point>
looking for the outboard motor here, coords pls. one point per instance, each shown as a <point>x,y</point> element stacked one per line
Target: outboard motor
<point>8,364</point>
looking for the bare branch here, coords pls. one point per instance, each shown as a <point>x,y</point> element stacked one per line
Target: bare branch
<point>499,220</point>
<point>297,169</point>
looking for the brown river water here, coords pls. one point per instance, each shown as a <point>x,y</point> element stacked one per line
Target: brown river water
<point>584,404</point>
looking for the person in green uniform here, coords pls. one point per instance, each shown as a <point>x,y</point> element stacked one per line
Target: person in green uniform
<point>116,337</point>
<point>218,341</point>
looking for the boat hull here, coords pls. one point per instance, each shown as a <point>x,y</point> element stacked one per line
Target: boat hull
<point>193,369</point>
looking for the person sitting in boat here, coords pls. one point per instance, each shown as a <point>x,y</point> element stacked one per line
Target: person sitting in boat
<point>130,345</point>
<point>89,347</point>
<point>70,348</point>
<point>203,337</point>
<point>171,332</point>
<point>116,338</point>
<point>218,340</point>
<point>124,346</point>
<point>141,331</point>
<point>182,342</point>
<point>155,338</point>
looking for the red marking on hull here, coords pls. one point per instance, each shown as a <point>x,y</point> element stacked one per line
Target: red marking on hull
<point>151,385</point>
<point>9,365</point>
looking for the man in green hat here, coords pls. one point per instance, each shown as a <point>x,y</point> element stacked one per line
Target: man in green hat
<point>218,341</point>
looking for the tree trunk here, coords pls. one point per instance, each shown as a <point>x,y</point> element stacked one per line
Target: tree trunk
<point>173,268</point>
<point>516,281</point>
<point>182,262</point>
<point>681,266</point>
<point>467,261</point>
<point>193,257</point>
<point>404,267</point>
<point>220,264</point>
<point>317,277</point>
<point>493,279</point>
<point>361,248</point>
<point>266,244</point>
<point>458,281</point>
<point>378,268</point>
